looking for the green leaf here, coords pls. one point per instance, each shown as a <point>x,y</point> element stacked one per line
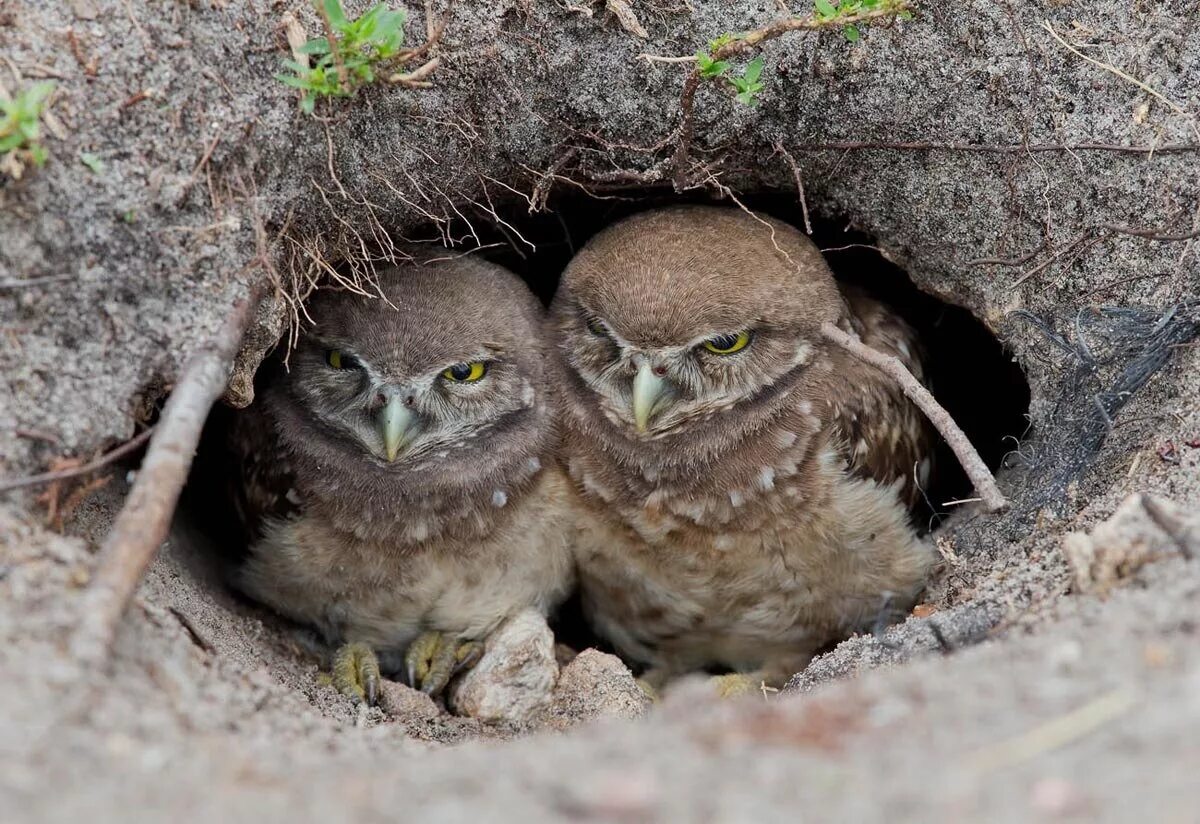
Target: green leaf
<point>39,154</point>
<point>337,17</point>
<point>10,142</point>
<point>307,103</point>
<point>38,93</point>
<point>92,161</point>
<point>753,70</point>
<point>293,81</point>
<point>852,33</point>
<point>719,42</point>
<point>825,8</point>
<point>318,45</point>
<point>709,67</point>
<point>905,15</point>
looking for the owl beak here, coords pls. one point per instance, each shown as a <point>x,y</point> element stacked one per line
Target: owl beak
<point>396,423</point>
<point>650,394</point>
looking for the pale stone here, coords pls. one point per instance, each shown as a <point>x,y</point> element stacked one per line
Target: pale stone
<point>514,678</point>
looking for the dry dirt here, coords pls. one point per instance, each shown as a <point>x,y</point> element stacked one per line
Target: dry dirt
<point>1019,698</point>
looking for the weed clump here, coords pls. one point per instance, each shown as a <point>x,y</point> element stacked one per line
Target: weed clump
<point>21,129</point>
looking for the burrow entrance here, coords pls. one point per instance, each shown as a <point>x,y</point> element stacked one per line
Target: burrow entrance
<point>970,372</point>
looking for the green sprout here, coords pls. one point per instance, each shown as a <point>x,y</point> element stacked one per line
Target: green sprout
<point>341,68</point>
<point>827,12</point>
<point>92,161</point>
<point>748,85</point>
<point>21,127</point>
<point>709,67</point>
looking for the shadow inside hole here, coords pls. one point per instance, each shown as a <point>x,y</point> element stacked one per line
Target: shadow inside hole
<point>968,369</point>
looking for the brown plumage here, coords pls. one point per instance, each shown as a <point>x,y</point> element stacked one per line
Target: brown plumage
<point>742,485</point>
<point>398,478</point>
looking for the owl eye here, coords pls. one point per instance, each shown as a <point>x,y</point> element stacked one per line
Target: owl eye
<point>727,344</point>
<point>338,359</point>
<point>465,372</point>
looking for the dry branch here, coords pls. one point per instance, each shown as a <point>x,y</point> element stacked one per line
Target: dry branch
<point>142,524</point>
<point>751,39</point>
<point>119,452</point>
<point>972,464</point>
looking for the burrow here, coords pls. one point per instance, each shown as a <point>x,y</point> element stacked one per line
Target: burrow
<point>969,370</point>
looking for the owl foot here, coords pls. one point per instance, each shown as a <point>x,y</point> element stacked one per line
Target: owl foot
<point>356,672</point>
<point>648,689</point>
<point>435,657</point>
<point>736,684</point>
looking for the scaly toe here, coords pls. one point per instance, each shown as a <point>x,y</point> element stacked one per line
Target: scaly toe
<point>734,685</point>
<point>419,657</point>
<point>356,672</point>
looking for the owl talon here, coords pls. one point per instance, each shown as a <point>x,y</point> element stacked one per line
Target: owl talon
<point>356,673</point>
<point>434,658</point>
<point>735,684</point>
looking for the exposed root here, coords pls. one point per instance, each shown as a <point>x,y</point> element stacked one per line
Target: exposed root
<point>142,524</point>
<point>977,471</point>
<point>78,470</point>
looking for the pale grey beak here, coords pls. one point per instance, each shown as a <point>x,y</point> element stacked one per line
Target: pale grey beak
<point>650,394</point>
<point>396,424</point>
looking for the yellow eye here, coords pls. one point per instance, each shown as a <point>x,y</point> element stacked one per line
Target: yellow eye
<point>338,359</point>
<point>727,344</point>
<point>465,372</point>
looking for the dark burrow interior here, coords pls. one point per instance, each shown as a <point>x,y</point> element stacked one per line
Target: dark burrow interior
<point>969,371</point>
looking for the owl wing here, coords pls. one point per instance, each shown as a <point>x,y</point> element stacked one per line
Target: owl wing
<point>262,484</point>
<point>885,435</point>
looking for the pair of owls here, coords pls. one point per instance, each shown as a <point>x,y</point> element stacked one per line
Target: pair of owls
<point>726,489</point>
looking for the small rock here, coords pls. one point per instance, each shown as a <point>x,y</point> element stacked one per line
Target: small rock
<point>516,674</point>
<point>405,703</point>
<point>595,685</point>
<point>85,9</point>
<point>1142,530</point>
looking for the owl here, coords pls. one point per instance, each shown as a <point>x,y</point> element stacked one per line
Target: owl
<point>397,477</point>
<point>741,487</point>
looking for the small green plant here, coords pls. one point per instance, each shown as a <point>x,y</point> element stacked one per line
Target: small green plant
<point>21,128</point>
<point>747,84</point>
<point>359,46</point>
<point>92,161</point>
<point>827,12</point>
<point>713,64</point>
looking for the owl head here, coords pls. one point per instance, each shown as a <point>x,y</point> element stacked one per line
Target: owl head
<point>437,373</point>
<point>677,318</point>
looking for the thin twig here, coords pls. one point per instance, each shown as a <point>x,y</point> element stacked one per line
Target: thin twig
<point>1188,545</point>
<point>745,42</point>
<point>1020,261</point>
<point>19,283</point>
<point>799,185</point>
<point>1056,733</point>
<point>972,463</point>
<point>1070,247</point>
<point>1153,234</point>
<point>334,48</point>
<point>990,148</point>
<point>144,520</point>
<point>119,452</point>
<point>1113,69</point>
